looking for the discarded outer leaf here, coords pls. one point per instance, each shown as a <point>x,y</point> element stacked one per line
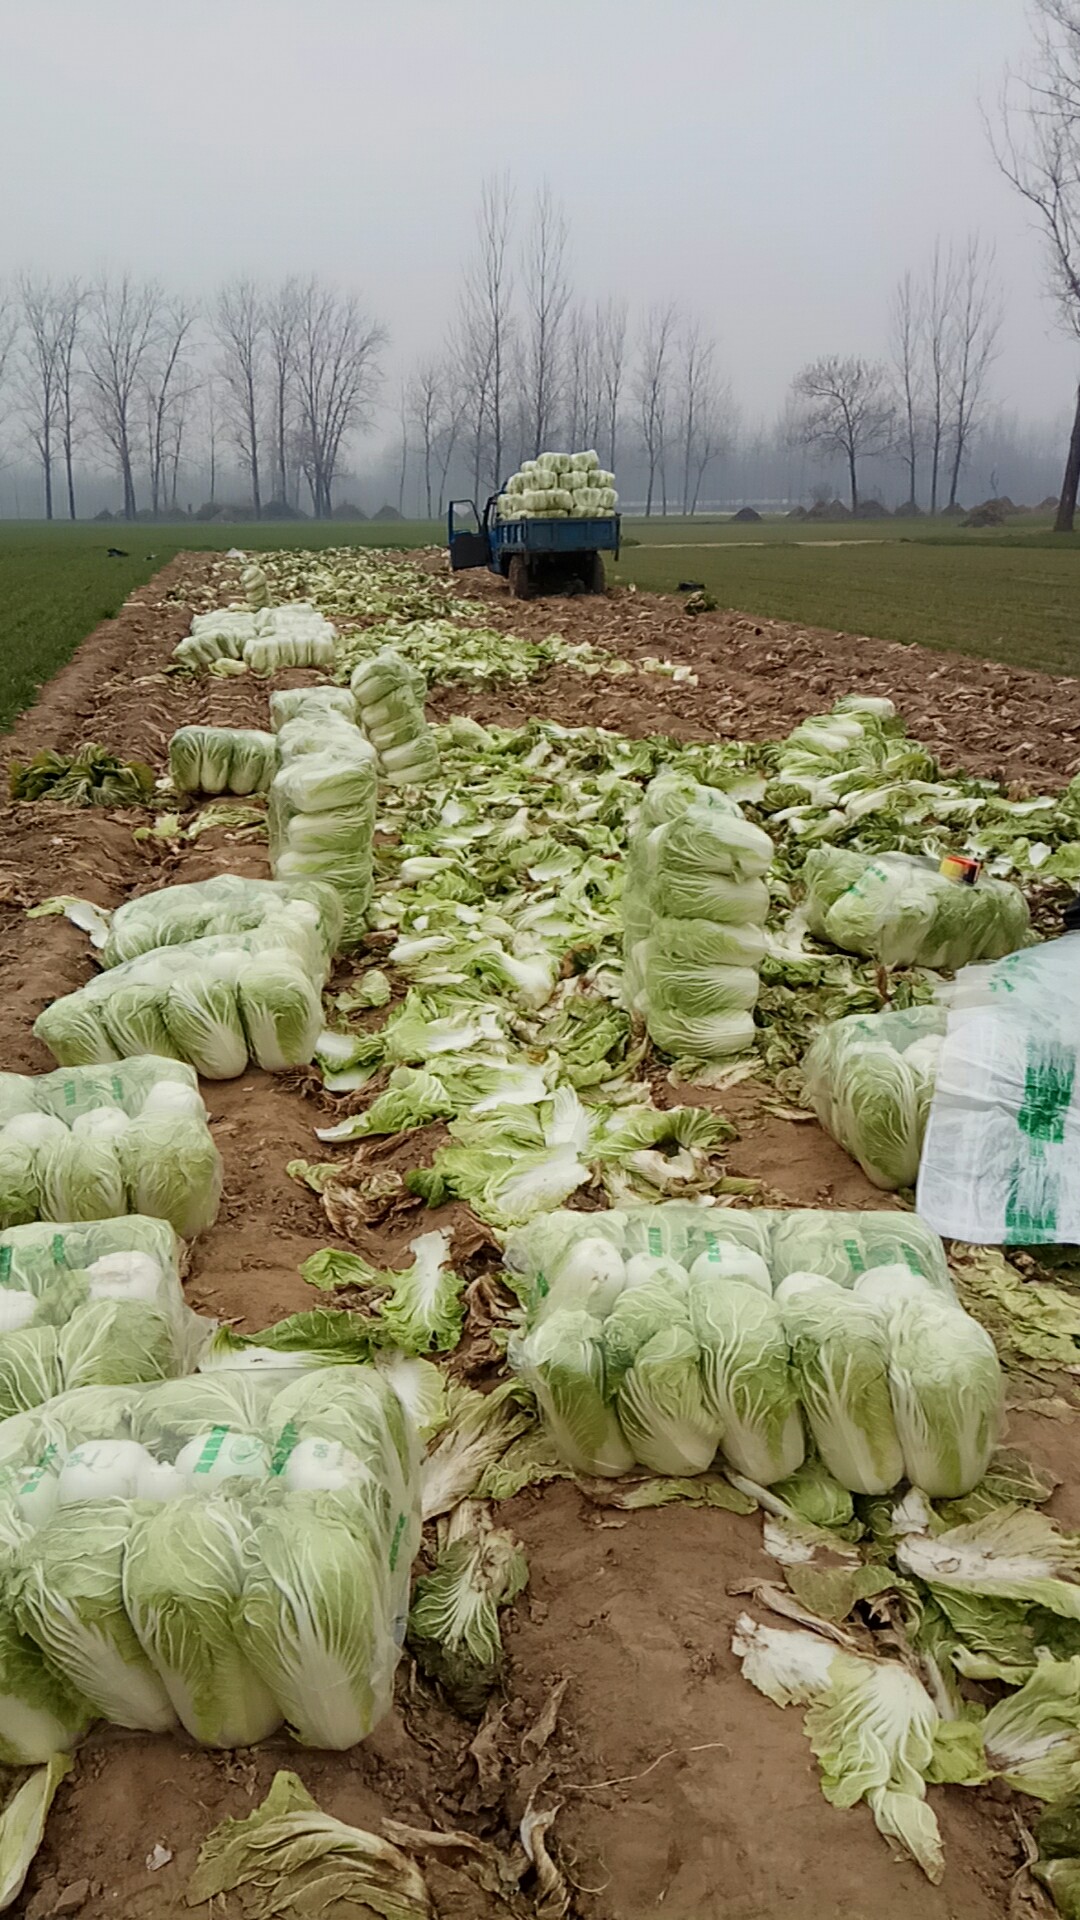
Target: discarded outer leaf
<point>22,1825</point>
<point>484,1749</point>
<point>780,1600</point>
<point>702,1491</point>
<point>313,1174</point>
<point>494,1871</point>
<point>454,1618</point>
<point>832,1592</point>
<point>84,914</point>
<point>536,1737</point>
<point>479,1429</point>
<point>796,1542</point>
<point>552,1894</point>
<point>288,1858</point>
<point>331,1268</point>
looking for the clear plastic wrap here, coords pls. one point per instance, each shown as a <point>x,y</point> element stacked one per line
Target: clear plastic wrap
<point>663,1336</point>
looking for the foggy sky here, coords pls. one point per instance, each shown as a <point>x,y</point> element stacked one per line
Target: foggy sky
<point>771,164</point>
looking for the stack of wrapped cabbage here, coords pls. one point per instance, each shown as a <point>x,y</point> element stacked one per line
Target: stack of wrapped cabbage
<point>227,903</point>
<point>557,486</point>
<point>229,1551</point>
<point>90,1143</point>
<point>902,910</point>
<point>870,1080</point>
<point>222,760</point>
<point>322,810</point>
<point>219,635</point>
<point>296,635</point>
<point>694,906</point>
<point>658,1337</point>
<point>95,1305</point>
<point>310,703</point>
<point>389,696</point>
<point>255,586</point>
<point>214,1001</point>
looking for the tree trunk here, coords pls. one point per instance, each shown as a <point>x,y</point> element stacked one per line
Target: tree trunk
<point>128,479</point>
<point>70,479</point>
<point>852,475</point>
<point>47,464</point>
<point>256,499</point>
<point>954,477</point>
<point>648,496</point>
<point>1070,486</point>
<point>912,465</point>
<point>934,465</point>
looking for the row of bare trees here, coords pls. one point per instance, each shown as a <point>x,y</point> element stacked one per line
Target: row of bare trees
<point>527,366</point>
<point>283,378</point>
<point>929,405</point>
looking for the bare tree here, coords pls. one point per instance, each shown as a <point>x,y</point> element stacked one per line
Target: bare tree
<point>212,423</point>
<point>583,388</point>
<point>404,417</point>
<point>166,391</point>
<point>547,298</point>
<point>656,352</point>
<point>936,316</point>
<point>611,352</point>
<point>40,372</point>
<point>704,410</point>
<point>1038,150</point>
<point>909,364</point>
<point>9,327</point>
<point>71,304</point>
<point>435,409</point>
<point>240,326</point>
<point>337,372</point>
<point>976,326</point>
<point>282,315</point>
<point>843,406</point>
<point>485,331</point>
<point>123,332</point>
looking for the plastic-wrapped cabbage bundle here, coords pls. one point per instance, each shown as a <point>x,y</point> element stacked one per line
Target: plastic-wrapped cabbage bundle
<point>870,1080</point>
<point>91,1305</point>
<point>222,634</point>
<point>899,909</point>
<point>226,904</point>
<point>222,760</point>
<point>840,1357</point>
<point>295,635</point>
<point>695,901</point>
<point>85,1144</point>
<point>322,812</point>
<point>389,700</point>
<point>310,703</point>
<point>557,486</point>
<point>653,1336</point>
<point>213,1002</point>
<point>230,1550</point>
<point>256,587</point>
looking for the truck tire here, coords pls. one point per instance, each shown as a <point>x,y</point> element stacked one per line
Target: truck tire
<point>521,582</point>
<point>593,574</point>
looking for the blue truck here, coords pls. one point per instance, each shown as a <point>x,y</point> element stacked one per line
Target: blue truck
<point>535,556</point>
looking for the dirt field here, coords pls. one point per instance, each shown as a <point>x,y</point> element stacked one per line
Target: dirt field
<point>681,1790</point>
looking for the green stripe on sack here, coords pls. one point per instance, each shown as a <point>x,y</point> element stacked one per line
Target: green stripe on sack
<point>1031,1210</point>
<point>1048,1091</point>
<point>287,1440</point>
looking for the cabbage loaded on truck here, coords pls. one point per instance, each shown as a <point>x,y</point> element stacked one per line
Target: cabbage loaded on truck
<point>545,530</point>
